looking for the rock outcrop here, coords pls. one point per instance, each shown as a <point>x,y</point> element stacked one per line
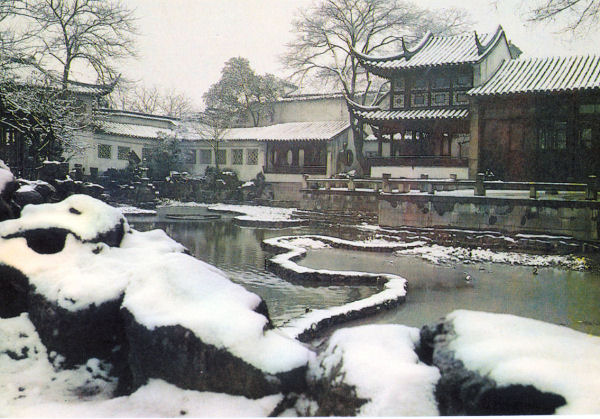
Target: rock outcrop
<point>72,264</point>
<point>463,391</point>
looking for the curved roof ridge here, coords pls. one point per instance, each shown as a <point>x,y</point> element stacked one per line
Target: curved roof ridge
<point>406,52</point>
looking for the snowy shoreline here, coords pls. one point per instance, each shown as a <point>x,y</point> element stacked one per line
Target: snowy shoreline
<point>315,322</point>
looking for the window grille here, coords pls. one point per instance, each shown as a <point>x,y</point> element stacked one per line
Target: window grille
<point>190,157</point>
<point>237,156</point>
<point>123,153</point>
<point>440,99</point>
<point>252,157</point>
<point>398,101</point>
<point>205,156</point>
<point>222,156</point>
<point>419,100</point>
<point>104,151</point>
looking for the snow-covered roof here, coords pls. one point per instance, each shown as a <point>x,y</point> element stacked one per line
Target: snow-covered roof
<point>133,130</point>
<point>31,75</point>
<point>541,75</point>
<point>412,114</point>
<point>434,51</point>
<point>290,131</point>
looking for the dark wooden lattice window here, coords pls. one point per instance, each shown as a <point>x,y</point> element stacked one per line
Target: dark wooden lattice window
<point>104,151</point>
<point>252,156</point>
<point>221,156</point>
<point>237,156</point>
<point>123,153</point>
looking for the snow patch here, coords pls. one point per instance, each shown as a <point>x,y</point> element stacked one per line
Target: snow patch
<point>447,254</point>
<point>380,362</point>
<point>516,350</point>
<point>83,215</point>
<point>257,212</point>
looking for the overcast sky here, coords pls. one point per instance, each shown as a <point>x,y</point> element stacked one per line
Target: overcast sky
<point>183,44</point>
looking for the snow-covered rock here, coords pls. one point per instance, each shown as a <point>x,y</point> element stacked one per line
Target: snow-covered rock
<point>502,364</point>
<point>95,288</point>
<point>373,371</point>
<point>8,186</point>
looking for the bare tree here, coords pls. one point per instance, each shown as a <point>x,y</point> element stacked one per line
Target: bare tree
<point>48,121</point>
<point>175,104</point>
<point>327,32</point>
<point>62,33</point>
<point>577,14</point>
<point>35,104</point>
<point>211,125</point>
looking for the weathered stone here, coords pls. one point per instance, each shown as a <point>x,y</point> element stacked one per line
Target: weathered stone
<point>461,391</point>
<point>27,197</point>
<point>175,354</point>
<point>14,288</point>
<point>95,331</point>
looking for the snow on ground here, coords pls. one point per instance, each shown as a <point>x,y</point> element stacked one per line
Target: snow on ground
<point>30,386</point>
<point>314,241</point>
<point>256,212</point>
<point>379,360</point>
<point>516,350</point>
<point>131,210</point>
<point>163,286</point>
<point>6,175</point>
<point>447,254</point>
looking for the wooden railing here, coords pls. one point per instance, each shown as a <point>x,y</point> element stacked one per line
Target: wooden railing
<point>433,161</point>
<point>480,186</point>
<point>310,170</point>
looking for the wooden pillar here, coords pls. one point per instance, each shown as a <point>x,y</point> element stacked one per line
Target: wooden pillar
<point>476,130</point>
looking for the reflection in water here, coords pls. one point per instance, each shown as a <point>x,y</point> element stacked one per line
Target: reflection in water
<point>553,295</point>
<point>237,251</point>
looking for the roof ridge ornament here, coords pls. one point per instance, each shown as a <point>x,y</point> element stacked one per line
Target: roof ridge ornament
<point>407,54</point>
<point>480,47</point>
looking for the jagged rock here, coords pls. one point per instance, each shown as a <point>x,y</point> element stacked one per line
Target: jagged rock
<point>8,186</point>
<point>176,355</point>
<point>26,196</point>
<point>461,391</point>
<point>77,304</point>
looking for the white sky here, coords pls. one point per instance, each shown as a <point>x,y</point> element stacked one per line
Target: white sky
<point>183,44</point>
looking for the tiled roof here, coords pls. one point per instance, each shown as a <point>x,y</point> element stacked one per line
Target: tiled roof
<point>30,75</point>
<point>377,115</point>
<point>540,75</point>
<point>435,51</point>
<point>134,130</point>
<point>291,131</point>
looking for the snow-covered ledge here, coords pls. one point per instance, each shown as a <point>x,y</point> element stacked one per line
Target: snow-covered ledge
<point>392,287</point>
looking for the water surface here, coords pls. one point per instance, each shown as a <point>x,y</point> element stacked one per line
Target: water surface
<point>554,295</point>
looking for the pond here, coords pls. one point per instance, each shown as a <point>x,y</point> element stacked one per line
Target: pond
<point>555,295</point>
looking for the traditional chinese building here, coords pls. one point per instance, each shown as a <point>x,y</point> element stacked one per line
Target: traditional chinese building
<point>423,126</point>
<point>538,119</point>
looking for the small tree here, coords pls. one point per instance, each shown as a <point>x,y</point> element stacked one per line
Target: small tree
<point>243,95</point>
<point>211,126</point>
<point>165,158</point>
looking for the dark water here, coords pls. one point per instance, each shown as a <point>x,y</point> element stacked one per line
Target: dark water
<point>554,295</point>
<point>237,251</point>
